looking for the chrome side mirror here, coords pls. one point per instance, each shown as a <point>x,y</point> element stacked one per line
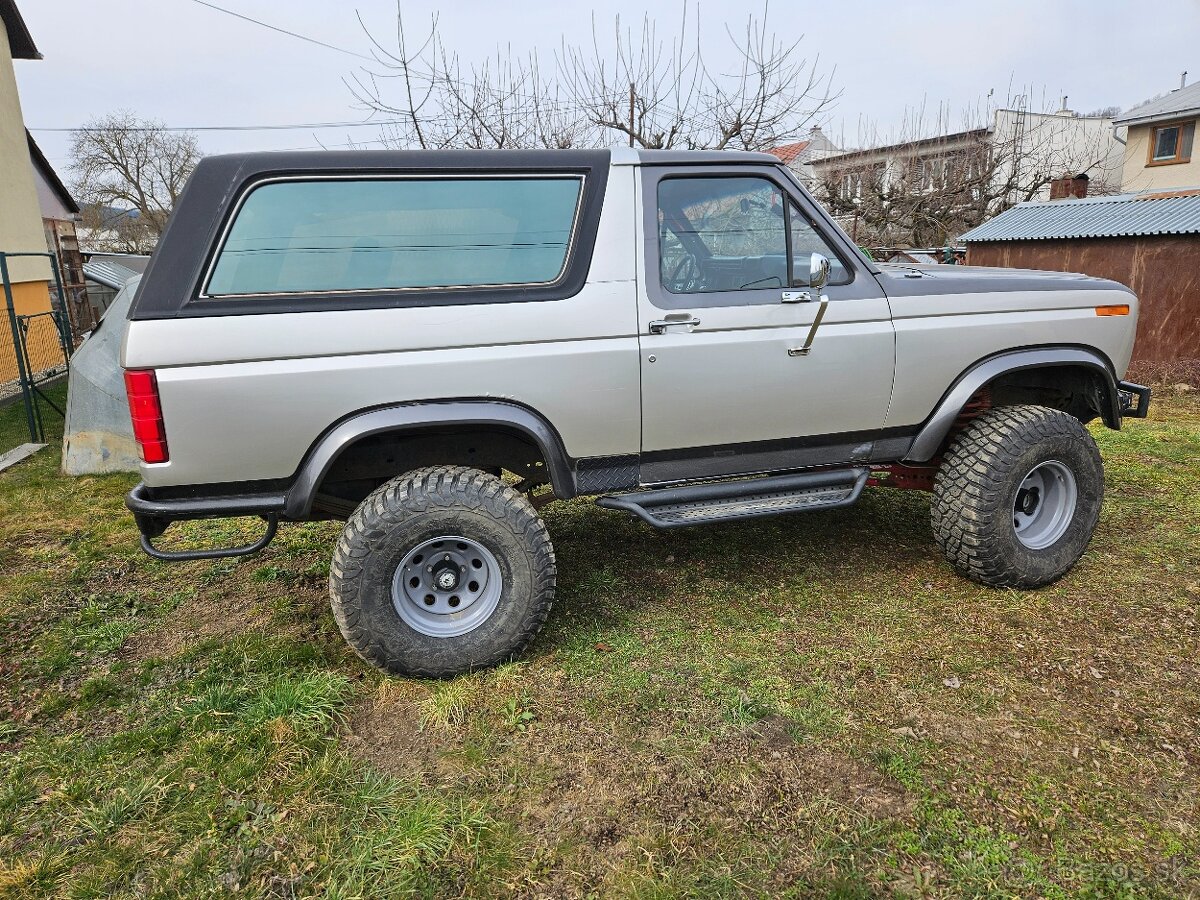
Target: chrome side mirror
<point>818,272</point>
<point>818,277</point>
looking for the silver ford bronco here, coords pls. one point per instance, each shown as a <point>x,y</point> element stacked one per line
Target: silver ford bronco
<point>431,345</point>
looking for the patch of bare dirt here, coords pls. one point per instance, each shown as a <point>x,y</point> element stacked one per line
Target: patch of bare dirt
<point>757,779</point>
<point>194,621</point>
<point>388,734</point>
<point>595,795</point>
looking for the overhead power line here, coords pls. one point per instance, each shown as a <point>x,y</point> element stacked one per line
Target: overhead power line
<point>297,127</point>
<point>300,37</point>
<point>575,105</point>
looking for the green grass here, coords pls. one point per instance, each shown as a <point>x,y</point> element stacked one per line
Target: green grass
<point>14,428</point>
<point>808,705</point>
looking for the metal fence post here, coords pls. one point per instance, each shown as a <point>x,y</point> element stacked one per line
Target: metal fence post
<point>18,351</point>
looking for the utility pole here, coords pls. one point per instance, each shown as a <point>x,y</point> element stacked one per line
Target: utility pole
<point>632,99</point>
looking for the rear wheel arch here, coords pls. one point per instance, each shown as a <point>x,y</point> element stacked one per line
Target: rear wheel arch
<point>392,440</point>
<point>1075,380</point>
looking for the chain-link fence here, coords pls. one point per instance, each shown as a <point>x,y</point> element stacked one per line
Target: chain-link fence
<point>34,356</point>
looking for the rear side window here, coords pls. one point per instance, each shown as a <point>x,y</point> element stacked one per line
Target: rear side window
<point>339,235</point>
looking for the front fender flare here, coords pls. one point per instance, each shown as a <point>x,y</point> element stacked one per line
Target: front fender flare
<point>417,417</point>
<point>938,425</point>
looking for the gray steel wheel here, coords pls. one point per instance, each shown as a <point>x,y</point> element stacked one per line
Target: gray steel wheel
<point>447,586</point>
<point>440,571</point>
<point>1045,504</point>
<point>1017,496</point>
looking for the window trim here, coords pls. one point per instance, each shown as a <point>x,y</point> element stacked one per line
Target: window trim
<point>861,284</point>
<point>785,199</point>
<point>792,203</point>
<point>1170,160</point>
<point>202,295</point>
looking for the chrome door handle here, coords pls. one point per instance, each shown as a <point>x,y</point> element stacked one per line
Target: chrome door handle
<point>659,326</point>
<point>803,349</point>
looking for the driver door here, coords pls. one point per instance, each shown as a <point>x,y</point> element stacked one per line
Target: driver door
<point>726,386</point>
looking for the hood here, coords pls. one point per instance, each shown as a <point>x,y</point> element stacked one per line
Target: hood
<point>899,280</point>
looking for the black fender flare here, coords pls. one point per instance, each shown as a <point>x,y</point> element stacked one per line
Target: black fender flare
<point>418,417</point>
<point>937,426</point>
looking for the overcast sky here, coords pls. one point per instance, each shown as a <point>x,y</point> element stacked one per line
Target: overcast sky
<point>189,65</point>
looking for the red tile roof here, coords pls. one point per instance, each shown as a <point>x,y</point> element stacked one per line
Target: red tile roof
<point>788,152</point>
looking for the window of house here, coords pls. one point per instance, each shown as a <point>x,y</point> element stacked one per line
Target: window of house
<point>1172,143</point>
<point>344,234</point>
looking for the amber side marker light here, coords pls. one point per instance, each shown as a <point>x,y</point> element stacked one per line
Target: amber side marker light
<point>1122,310</point>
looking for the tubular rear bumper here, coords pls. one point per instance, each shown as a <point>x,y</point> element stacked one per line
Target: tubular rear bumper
<point>154,515</point>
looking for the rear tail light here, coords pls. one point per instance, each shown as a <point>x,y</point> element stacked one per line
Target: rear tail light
<point>141,386</point>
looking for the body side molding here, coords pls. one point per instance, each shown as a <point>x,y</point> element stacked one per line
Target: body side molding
<point>417,417</point>
<point>938,425</point>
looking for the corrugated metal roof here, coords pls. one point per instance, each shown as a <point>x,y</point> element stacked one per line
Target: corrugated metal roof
<point>1125,215</point>
<point>109,273</point>
<point>1178,102</point>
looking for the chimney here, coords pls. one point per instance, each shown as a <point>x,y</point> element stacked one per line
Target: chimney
<point>1069,187</point>
<point>1183,79</point>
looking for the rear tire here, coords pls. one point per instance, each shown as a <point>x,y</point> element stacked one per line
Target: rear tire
<point>442,571</point>
<point>1017,497</point>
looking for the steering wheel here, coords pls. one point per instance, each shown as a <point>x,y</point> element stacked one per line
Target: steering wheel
<point>686,275</point>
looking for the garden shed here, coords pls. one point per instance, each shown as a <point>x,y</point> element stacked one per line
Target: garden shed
<point>1148,241</point>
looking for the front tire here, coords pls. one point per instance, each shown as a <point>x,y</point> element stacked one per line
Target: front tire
<point>1017,497</point>
<point>442,571</point>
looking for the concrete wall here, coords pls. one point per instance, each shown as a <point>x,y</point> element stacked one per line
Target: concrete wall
<point>1164,271</point>
<point>20,215</point>
<point>1137,176</point>
<point>1061,144</point>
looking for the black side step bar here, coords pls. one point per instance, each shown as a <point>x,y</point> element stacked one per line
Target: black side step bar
<point>725,501</point>
<point>218,553</point>
<point>153,516</point>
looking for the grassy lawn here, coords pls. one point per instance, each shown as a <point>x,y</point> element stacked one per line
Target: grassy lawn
<point>803,705</point>
<point>14,429</point>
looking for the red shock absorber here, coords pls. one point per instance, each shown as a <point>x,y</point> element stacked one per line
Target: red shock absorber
<point>920,478</point>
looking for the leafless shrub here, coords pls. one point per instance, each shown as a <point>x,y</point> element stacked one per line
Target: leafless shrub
<point>1166,373</point>
<point>941,174</point>
<point>629,86</point>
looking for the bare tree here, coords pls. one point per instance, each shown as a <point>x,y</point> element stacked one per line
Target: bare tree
<point>629,86</point>
<point>937,178</point>
<point>128,173</point>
